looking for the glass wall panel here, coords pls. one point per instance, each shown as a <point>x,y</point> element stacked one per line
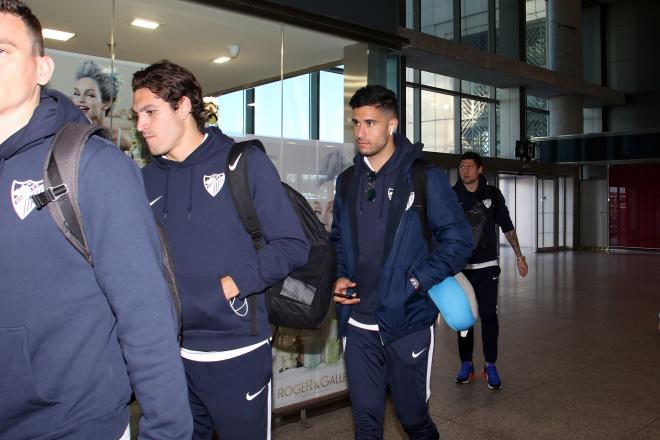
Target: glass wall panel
<point>537,124</point>
<point>536,102</point>
<point>437,18</point>
<point>410,113</point>
<point>546,213</point>
<point>476,89</point>
<point>409,14</point>
<point>474,23</point>
<point>536,32</point>
<point>439,81</point>
<point>570,217</point>
<point>498,134</point>
<point>475,134</point>
<point>231,112</point>
<point>296,108</point>
<point>331,107</point>
<point>267,110</point>
<point>437,121</point>
<point>561,229</point>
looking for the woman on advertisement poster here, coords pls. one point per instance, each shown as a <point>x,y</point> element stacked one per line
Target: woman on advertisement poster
<point>95,93</point>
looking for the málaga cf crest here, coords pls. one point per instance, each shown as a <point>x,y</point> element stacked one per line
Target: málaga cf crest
<point>20,196</point>
<point>213,183</point>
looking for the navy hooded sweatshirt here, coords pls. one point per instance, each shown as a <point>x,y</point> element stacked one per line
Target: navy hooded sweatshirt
<point>492,202</point>
<point>74,338</point>
<point>193,203</point>
<point>393,248</point>
<point>371,216</point>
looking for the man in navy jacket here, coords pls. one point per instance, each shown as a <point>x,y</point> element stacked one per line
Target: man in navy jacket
<point>385,269</point>
<point>76,338</point>
<point>228,367</point>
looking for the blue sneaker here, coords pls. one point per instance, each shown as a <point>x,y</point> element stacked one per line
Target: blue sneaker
<point>466,374</point>
<point>491,376</point>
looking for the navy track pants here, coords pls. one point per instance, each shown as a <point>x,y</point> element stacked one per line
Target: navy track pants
<point>232,396</point>
<point>484,281</point>
<point>405,366</point>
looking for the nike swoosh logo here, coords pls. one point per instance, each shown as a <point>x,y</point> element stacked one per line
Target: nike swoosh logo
<point>153,202</point>
<point>249,396</point>
<point>232,166</point>
<point>494,278</point>
<point>416,355</point>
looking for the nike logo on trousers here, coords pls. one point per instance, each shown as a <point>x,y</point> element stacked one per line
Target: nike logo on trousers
<point>249,396</point>
<point>416,355</point>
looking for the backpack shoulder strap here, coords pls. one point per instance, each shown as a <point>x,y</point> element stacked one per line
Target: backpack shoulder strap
<point>237,176</point>
<point>419,186</point>
<point>61,179</point>
<point>345,181</point>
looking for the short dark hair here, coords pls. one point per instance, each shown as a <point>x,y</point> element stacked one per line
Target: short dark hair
<point>375,96</point>
<point>20,10</point>
<point>471,155</point>
<point>172,82</point>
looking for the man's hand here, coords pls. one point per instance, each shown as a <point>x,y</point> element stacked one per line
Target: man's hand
<point>522,266</point>
<point>229,287</point>
<point>341,294</point>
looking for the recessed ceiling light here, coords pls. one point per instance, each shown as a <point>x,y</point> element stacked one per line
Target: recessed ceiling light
<point>57,35</point>
<point>221,60</point>
<point>146,24</point>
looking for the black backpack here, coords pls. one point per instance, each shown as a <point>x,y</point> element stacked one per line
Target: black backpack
<point>302,299</point>
<point>61,178</point>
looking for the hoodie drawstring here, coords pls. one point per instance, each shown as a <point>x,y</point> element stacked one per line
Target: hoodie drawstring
<point>190,192</point>
<point>381,199</point>
<point>165,193</point>
<point>2,164</point>
<point>361,190</point>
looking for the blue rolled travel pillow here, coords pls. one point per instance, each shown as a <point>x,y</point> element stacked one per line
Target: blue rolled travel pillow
<point>454,298</point>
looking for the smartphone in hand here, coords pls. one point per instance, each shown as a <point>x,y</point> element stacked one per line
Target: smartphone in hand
<point>350,294</point>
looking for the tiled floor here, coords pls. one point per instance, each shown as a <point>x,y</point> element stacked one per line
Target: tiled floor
<point>579,358</point>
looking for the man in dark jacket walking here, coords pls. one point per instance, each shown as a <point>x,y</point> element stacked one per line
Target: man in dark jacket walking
<point>228,367</point>
<point>484,205</point>
<point>76,338</point>
<point>385,267</point>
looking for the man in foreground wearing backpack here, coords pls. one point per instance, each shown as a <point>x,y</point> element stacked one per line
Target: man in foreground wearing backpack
<point>485,208</point>
<point>385,266</point>
<point>76,337</point>
<point>227,357</point>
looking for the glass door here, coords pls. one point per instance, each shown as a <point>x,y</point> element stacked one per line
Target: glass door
<point>546,191</point>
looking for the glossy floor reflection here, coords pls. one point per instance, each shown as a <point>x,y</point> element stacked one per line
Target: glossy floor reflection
<point>579,358</point>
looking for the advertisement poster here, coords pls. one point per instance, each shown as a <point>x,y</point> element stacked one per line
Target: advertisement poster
<point>103,93</point>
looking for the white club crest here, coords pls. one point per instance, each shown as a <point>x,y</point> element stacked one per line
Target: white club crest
<point>390,192</point>
<point>20,196</point>
<point>213,183</point>
<point>487,203</point>
<point>411,199</point>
